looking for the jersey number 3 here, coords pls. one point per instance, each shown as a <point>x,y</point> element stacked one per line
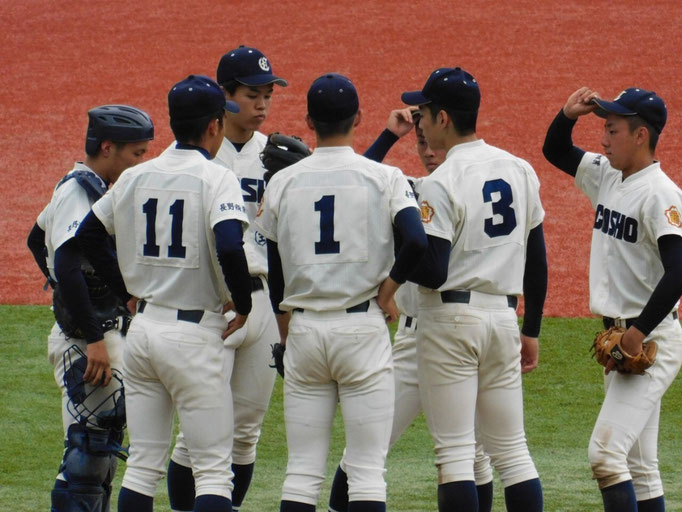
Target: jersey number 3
<point>501,206</point>
<point>176,211</point>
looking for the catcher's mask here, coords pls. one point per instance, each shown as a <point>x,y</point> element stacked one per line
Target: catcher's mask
<point>91,409</point>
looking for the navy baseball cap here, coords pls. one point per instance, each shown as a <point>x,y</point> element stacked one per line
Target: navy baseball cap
<point>197,96</point>
<point>451,88</point>
<point>248,66</point>
<point>635,102</point>
<point>332,97</point>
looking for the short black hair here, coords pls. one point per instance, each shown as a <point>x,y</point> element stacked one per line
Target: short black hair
<point>329,129</point>
<point>231,86</point>
<point>190,131</point>
<point>635,122</point>
<point>463,121</point>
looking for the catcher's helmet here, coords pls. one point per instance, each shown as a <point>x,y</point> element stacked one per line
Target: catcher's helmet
<point>117,123</point>
<point>86,405</point>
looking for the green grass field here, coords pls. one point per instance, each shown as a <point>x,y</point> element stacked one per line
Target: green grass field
<point>562,399</point>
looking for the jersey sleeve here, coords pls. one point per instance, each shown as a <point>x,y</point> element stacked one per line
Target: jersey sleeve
<point>536,213</point>
<point>70,209</point>
<point>402,194</point>
<point>42,218</point>
<point>437,211</point>
<point>228,203</point>
<point>663,211</point>
<point>590,174</point>
<point>104,209</point>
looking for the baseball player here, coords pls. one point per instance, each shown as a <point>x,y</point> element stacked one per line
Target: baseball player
<point>635,264</point>
<point>246,76</point>
<point>482,213</point>
<point>117,138</point>
<point>178,221</point>
<point>329,223</point>
<point>407,402</point>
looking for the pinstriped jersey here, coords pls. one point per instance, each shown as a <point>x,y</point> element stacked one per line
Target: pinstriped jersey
<point>484,201</point>
<point>630,216</point>
<point>331,215</point>
<point>163,212</point>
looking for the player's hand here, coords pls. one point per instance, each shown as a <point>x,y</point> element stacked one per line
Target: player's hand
<point>386,300</point>
<point>632,344</point>
<point>132,305</point>
<point>400,121</point>
<point>98,370</point>
<point>580,103</point>
<point>530,353</point>
<point>236,323</point>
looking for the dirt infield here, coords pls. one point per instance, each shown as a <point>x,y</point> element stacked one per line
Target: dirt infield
<point>62,58</point>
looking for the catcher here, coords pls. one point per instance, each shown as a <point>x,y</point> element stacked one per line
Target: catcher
<point>635,268</point>
<point>88,314</point>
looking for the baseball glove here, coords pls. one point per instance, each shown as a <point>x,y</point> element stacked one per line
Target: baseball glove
<point>607,345</point>
<point>278,355</point>
<point>281,151</point>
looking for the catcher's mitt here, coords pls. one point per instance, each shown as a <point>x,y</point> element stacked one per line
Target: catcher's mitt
<point>281,151</point>
<point>607,345</point>
<point>278,355</point>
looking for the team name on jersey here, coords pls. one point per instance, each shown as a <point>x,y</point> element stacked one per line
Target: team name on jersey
<point>615,224</point>
<point>253,189</point>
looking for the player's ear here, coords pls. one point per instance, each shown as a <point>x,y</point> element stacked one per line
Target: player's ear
<point>642,136</point>
<point>442,119</point>
<point>106,147</point>
<point>358,118</point>
<point>309,122</point>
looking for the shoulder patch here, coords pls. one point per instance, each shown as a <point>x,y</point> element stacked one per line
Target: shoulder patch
<point>597,160</point>
<point>427,212</point>
<point>673,216</point>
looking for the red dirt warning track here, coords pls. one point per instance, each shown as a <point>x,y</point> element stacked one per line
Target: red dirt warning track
<point>62,58</point>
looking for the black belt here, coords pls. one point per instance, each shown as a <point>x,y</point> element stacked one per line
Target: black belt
<point>256,284</point>
<point>186,315</point>
<point>464,297</point>
<point>611,322</point>
<point>363,307</point>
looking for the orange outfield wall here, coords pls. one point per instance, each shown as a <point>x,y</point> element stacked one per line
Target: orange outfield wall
<point>61,58</point>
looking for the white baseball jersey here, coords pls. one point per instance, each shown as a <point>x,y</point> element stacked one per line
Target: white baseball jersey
<point>63,214</point>
<point>246,164</point>
<point>631,215</point>
<point>333,262</point>
<point>172,203</point>
<point>484,201</point>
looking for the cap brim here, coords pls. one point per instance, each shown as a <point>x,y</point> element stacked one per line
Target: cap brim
<point>609,107</point>
<point>231,106</point>
<point>414,98</point>
<point>256,80</point>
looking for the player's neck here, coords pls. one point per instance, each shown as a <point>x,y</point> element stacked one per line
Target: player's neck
<point>637,164</point>
<point>98,166</point>
<point>235,133</point>
<point>453,139</point>
<point>335,141</point>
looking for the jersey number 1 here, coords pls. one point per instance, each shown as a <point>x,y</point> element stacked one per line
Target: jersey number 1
<point>327,244</point>
<point>176,211</point>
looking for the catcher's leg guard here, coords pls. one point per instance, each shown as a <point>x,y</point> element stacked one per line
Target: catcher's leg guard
<point>89,466</point>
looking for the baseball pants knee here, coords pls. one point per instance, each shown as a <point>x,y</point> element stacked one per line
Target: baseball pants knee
<point>624,439</point>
